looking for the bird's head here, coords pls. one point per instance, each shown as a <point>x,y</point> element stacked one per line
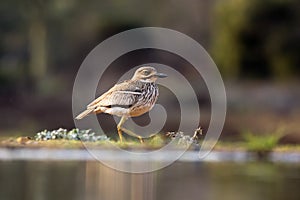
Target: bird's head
<point>147,74</point>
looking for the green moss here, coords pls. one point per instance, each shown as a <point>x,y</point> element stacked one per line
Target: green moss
<point>260,147</point>
<point>156,141</point>
<point>262,142</point>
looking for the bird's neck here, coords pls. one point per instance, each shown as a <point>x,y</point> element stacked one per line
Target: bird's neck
<point>146,81</point>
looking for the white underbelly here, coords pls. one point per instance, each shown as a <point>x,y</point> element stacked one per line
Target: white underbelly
<point>118,111</point>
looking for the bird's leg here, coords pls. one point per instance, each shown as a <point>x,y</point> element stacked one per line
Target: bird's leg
<point>119,127</point>
<point>129,132</point>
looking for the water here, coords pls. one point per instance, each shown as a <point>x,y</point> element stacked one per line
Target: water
<point>41,180</point>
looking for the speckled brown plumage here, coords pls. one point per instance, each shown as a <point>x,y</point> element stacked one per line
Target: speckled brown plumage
<point>130,98</point>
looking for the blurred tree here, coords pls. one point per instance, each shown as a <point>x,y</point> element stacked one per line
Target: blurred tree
<point>24,41</point>
<point>229,20</point>
<point>12,47</point>
<point>37,39</point>
<point>257,38</point>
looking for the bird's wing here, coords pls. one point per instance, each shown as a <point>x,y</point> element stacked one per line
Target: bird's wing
<point>123,94</point>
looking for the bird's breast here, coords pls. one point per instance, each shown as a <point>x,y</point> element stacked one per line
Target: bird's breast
<point>146,100</point>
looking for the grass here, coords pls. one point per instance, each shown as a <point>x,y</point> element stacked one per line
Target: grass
<point>261,147</point>
<point>75,139</point>
<point>264,143</point>
<point>261,144</point>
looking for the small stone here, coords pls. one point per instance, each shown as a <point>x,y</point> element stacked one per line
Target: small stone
<point>23,140</point>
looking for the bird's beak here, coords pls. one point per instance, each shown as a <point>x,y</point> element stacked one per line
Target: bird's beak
<point>161,75</point>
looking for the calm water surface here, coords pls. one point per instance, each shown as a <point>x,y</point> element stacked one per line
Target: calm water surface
<point>39,180</point>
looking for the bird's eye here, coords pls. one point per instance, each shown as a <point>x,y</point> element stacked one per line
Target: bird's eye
<point>146,72</point>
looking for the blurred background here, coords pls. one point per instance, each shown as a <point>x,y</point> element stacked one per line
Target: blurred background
<point>255,45</point>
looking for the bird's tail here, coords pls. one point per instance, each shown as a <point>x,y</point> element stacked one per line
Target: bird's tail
<point>84,113</point>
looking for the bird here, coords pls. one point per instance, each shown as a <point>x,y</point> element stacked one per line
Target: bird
<point>130,98</point>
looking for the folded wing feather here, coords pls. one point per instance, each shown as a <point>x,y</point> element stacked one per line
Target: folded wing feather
<point>123,95</point>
